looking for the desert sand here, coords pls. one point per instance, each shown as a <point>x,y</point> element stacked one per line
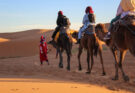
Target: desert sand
<point>21,72</point>
<point>49,86</point>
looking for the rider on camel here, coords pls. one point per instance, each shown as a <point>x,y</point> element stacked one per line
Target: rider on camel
<point>61,21</point>
<point>126,7</point>
<point>88,19</point>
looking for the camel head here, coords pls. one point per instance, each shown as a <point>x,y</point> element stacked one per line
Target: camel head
<point>100,31</point>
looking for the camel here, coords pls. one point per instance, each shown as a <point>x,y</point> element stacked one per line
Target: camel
<point>64,42</point>
<point>123,38</point>
<point>91,44</point>
<point>101,32</point>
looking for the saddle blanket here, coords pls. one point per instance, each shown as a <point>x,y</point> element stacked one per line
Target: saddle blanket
<point>69,33</point>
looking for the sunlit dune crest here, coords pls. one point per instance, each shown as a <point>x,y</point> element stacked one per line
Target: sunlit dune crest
<point>4,40</point>
<point>44,30</point>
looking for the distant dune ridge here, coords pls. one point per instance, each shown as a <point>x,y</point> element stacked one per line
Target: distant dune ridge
<point>22,43</point>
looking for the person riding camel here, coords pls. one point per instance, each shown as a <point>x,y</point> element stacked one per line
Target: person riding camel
<point>62,20</point>
<point>88,19</point>
<point>43,50</point>
<point>126,7</point>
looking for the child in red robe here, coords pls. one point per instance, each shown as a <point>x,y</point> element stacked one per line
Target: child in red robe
<point>43,50</point>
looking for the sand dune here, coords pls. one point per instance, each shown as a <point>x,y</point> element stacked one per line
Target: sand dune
<point>22,43</point>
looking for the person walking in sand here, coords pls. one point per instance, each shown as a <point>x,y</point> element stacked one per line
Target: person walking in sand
<point>43,50</point>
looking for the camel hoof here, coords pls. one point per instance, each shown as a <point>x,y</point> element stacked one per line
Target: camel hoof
<point>80,69</point>
<point>60,65</point>
<point>115,78</point>
<point>88,72</point>
<point>68,68</point>
<point>126,78</point>
<point>103,74</point>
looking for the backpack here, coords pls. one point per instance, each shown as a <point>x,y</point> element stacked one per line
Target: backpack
<point>66,21</point>
<point>91,18</point>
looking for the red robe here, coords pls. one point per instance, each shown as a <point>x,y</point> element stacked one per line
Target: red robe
<point>43,52</point>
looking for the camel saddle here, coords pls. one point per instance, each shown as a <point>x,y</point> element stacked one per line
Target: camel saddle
<point>128,22</point>
<point>90,30</point>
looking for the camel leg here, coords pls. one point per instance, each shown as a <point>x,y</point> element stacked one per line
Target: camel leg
<point>71,48</point>
<point>61,58</point>
<point>88,62</point>
<point>68,52</point>
<point>56,53</point>
<point>68,59</point>
<point>101,60</point>
<point>92,60</point>
<point>79,55</point>
<point>122,55</point>
<point>116,64</point>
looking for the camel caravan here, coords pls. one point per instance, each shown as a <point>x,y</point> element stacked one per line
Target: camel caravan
<point>120,37</point>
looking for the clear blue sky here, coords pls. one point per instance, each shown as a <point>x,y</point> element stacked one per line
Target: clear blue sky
<point>19,15</point>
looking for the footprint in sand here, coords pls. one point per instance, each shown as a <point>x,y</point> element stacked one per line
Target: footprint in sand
<point>35,89</point>
<point>14,89</point>
<point>74,87</point>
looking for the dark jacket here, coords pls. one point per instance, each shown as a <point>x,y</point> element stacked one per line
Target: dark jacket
<point>91,18</point>
<point>60,21</point>
<point>63,21</point>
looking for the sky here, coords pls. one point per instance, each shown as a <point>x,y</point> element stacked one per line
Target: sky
<point>20,15</point>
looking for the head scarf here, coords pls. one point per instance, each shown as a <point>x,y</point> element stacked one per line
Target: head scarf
<point>60,13</point>
<point>89,10</point>
<point>42,39</point>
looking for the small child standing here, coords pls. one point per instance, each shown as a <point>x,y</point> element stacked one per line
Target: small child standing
<point>43,50</point>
